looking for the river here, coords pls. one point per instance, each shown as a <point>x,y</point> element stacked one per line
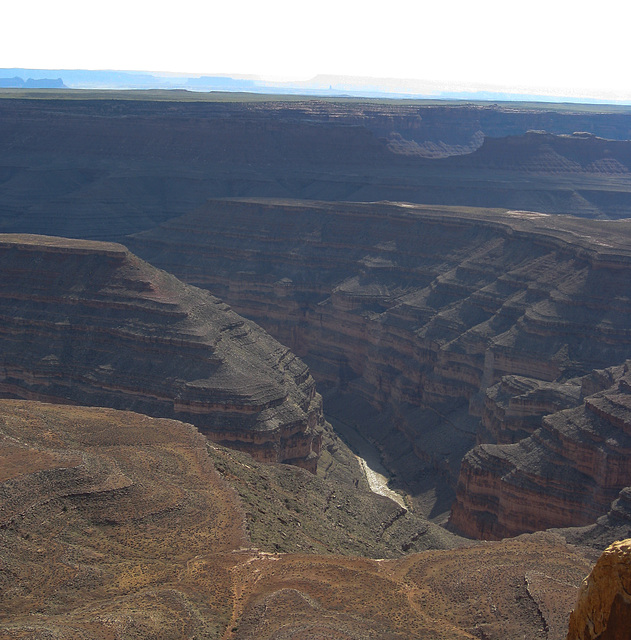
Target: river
<point>368,457</point>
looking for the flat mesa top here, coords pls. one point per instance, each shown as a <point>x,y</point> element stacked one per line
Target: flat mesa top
<point>54,243</point>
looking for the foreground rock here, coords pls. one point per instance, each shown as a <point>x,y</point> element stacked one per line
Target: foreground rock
<point>89,323</point>
<point>117,525</point>
<point>603,610</point>
<point>112,524</point>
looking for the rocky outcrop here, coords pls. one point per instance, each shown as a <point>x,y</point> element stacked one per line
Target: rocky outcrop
<point>115,524</point>
<point>603,609</point>
<point>89,323</point>
<point>542,152</point>
<point>566,473</point>
<point>614,525</point>
<point>514,407</point>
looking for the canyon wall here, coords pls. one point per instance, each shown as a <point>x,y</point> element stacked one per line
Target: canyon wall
<point>566,473</point>
<point>89,323</point>
<point>117,166</point>
<point>423,311</point>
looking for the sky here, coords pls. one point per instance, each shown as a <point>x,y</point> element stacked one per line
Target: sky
<point>552,47</point>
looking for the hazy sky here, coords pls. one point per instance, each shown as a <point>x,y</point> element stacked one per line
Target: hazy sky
<point>549,46</point>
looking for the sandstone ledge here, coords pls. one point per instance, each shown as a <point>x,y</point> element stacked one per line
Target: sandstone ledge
<point>603,609</point>
<point>566,473</point>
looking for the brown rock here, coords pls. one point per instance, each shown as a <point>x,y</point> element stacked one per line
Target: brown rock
<point>89,323</point>
<point>565,474</point>
<point>513,407</point>
<point>603,609</point>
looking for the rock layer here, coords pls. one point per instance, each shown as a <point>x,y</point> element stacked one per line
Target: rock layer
<point>118,166</point>
<point>603,609</point>
<point>514,407</point>
<point>566,473</point>
<point>89,323</point>
<point>415,307</point>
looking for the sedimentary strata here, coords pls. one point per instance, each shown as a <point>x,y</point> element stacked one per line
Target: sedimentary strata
<point>566,473</point>
<point>514,407</point>
<point>416,308</point>
<point>111,523</point>
<point>89,323</point>
<point>118,166</point>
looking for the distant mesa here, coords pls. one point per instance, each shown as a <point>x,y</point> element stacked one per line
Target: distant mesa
<point>32,83</point>
<point>220,83</point>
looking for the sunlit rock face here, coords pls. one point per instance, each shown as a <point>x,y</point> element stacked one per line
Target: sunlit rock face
<point>89,323</point>
<point>603,609</point>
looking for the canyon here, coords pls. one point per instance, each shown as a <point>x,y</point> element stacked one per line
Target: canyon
<point>116,164</point>
<point>447,282</point>
<point>468,326</point>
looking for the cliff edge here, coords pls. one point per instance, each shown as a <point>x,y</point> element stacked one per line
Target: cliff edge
<point>89,323</point>
<point>603,609</point>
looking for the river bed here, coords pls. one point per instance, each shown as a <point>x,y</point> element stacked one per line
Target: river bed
<point>368,458</point>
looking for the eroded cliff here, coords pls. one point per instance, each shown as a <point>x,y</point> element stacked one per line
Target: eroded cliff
<point>566,473</point>
<point>418,310</point>
<point>89,323</point>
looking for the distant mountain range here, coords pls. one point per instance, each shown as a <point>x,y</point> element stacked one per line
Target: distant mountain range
<point>321,85</point>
